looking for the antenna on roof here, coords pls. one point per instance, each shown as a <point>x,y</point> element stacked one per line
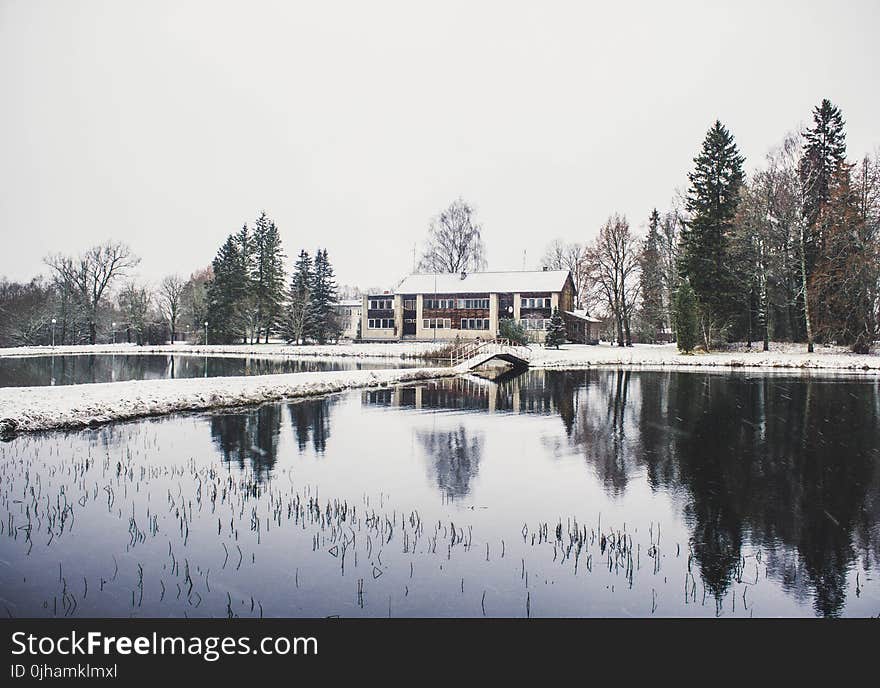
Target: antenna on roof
<point>524,260</point>
<point>414,258</point>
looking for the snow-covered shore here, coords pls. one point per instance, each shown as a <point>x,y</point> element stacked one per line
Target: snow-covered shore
<point>787,356</point>
<point>359,350</point>
<point>28,409</point>
<point>781,355</point>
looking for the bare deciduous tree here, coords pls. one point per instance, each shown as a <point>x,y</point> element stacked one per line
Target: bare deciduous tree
<point>170,297</point>
<point>613,272</point>
<point>89,275</point>
<point>572,257</point>
<point>454,242</point>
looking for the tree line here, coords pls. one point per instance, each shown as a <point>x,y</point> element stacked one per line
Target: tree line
<point>790,253</point>
<point>243,296</point>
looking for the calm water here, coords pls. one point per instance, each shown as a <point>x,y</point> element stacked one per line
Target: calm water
<point>37,371</point>
<point>597,493</point>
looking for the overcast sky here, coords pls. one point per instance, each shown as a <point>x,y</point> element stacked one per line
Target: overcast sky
<point>168,125</point>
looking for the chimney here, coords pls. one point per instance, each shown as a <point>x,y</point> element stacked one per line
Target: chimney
<point>463,274</point>
<point>546,268</point>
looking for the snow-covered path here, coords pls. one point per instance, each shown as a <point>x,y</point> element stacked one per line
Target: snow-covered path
<point>28,409</point>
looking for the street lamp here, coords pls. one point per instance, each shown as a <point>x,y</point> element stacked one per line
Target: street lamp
<point>114,332</point>
<point>53,331</point>
<point>206,333</point>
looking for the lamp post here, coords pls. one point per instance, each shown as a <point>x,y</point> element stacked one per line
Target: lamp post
<point>206,333</point>
<point>53,332</point>
<point>114,332</point>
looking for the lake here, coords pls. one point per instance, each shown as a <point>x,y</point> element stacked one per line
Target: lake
<point>575,494</point>
<point>38,371</point>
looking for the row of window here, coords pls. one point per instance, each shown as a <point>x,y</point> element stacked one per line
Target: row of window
<point>409,304</point>
<point>535,323</point>
<point>475,323</point>
<point>535,303</point>
<point>436,323</point>
<point>380,323</point>
<point>381,304</point>
<point>456,303</point>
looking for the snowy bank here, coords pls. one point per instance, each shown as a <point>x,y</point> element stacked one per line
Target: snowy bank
<point>28,409</point>
<point>787,356</point>
<point>360,350</point>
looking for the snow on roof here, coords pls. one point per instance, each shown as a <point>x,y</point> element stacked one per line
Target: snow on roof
<point>349,302</point>
<point>484,282</point>
<point>583,315</point>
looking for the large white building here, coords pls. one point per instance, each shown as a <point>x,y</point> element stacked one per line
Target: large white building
<point>470,305</point>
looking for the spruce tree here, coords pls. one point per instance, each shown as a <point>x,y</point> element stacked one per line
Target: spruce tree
<point>299,298</point>
<point>712,201</point>
<point>685,317</point>
<point>556,334</point>
<point>268,276</point>
<point>323,298</point>
<point>651,280</point>
<point>225,293</point>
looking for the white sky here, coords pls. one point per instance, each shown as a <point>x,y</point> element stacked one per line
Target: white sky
<point>168,125</point>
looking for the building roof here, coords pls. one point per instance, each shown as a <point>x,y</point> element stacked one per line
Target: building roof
<point>349,302</point>
<point>484,282</point>
<point>582,315</point>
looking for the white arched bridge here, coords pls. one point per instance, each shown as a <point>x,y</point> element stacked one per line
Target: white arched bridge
<point>474,354</point>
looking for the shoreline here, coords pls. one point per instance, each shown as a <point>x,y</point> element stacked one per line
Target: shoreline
<point>25,410</point>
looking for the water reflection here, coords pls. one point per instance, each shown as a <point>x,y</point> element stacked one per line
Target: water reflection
<point>38,371</point>
<point>786,463</point>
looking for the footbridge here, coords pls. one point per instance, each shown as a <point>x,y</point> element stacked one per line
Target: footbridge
<point>474,354</point>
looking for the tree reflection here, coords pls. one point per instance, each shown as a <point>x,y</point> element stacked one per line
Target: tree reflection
<point>311,422</point>
<point>249,439</point>
<point>455,458</point>
<point>785,462</point>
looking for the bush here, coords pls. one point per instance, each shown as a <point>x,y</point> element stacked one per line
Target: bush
<point>512,330</point>
<point>685,317</point>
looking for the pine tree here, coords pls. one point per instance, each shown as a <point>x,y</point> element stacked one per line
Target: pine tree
<point>299,297</point>
<point>824,154</point>
<point>685,317</point>
<point>323,298</point>
<point>556,334</point>
<point>225,294</point>
<point>651,280</point>
<point>712,201</point>
<point>268,276</point>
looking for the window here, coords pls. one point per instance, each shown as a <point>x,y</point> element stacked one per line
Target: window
<point>381,304</point>
<point>380,324</point>
<point>436,323</point>
<point>439,303</point>
<point>473,303</point>
<point>541,302</point>
<point>409,305</point>
<point>535,323</point>
<point>475,323</point>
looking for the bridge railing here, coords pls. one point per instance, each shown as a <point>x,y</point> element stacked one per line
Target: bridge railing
<point>488,346</point>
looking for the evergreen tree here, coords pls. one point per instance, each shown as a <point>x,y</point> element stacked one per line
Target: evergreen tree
<point>226,294</point>
<point>822,159</point>
<point>712,200</point>
<point>244,272</point>
<point>651,282</point>
<point>299,297</point>
<point>323,298</point>
<point>556,331</point>
<point>685,317</point>
<point>824,154</point>
<point>268,276</point>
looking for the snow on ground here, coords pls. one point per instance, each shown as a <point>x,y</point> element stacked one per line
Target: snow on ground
<point>27,409</point>
<point>361,350</point>
<point>791,356</point>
